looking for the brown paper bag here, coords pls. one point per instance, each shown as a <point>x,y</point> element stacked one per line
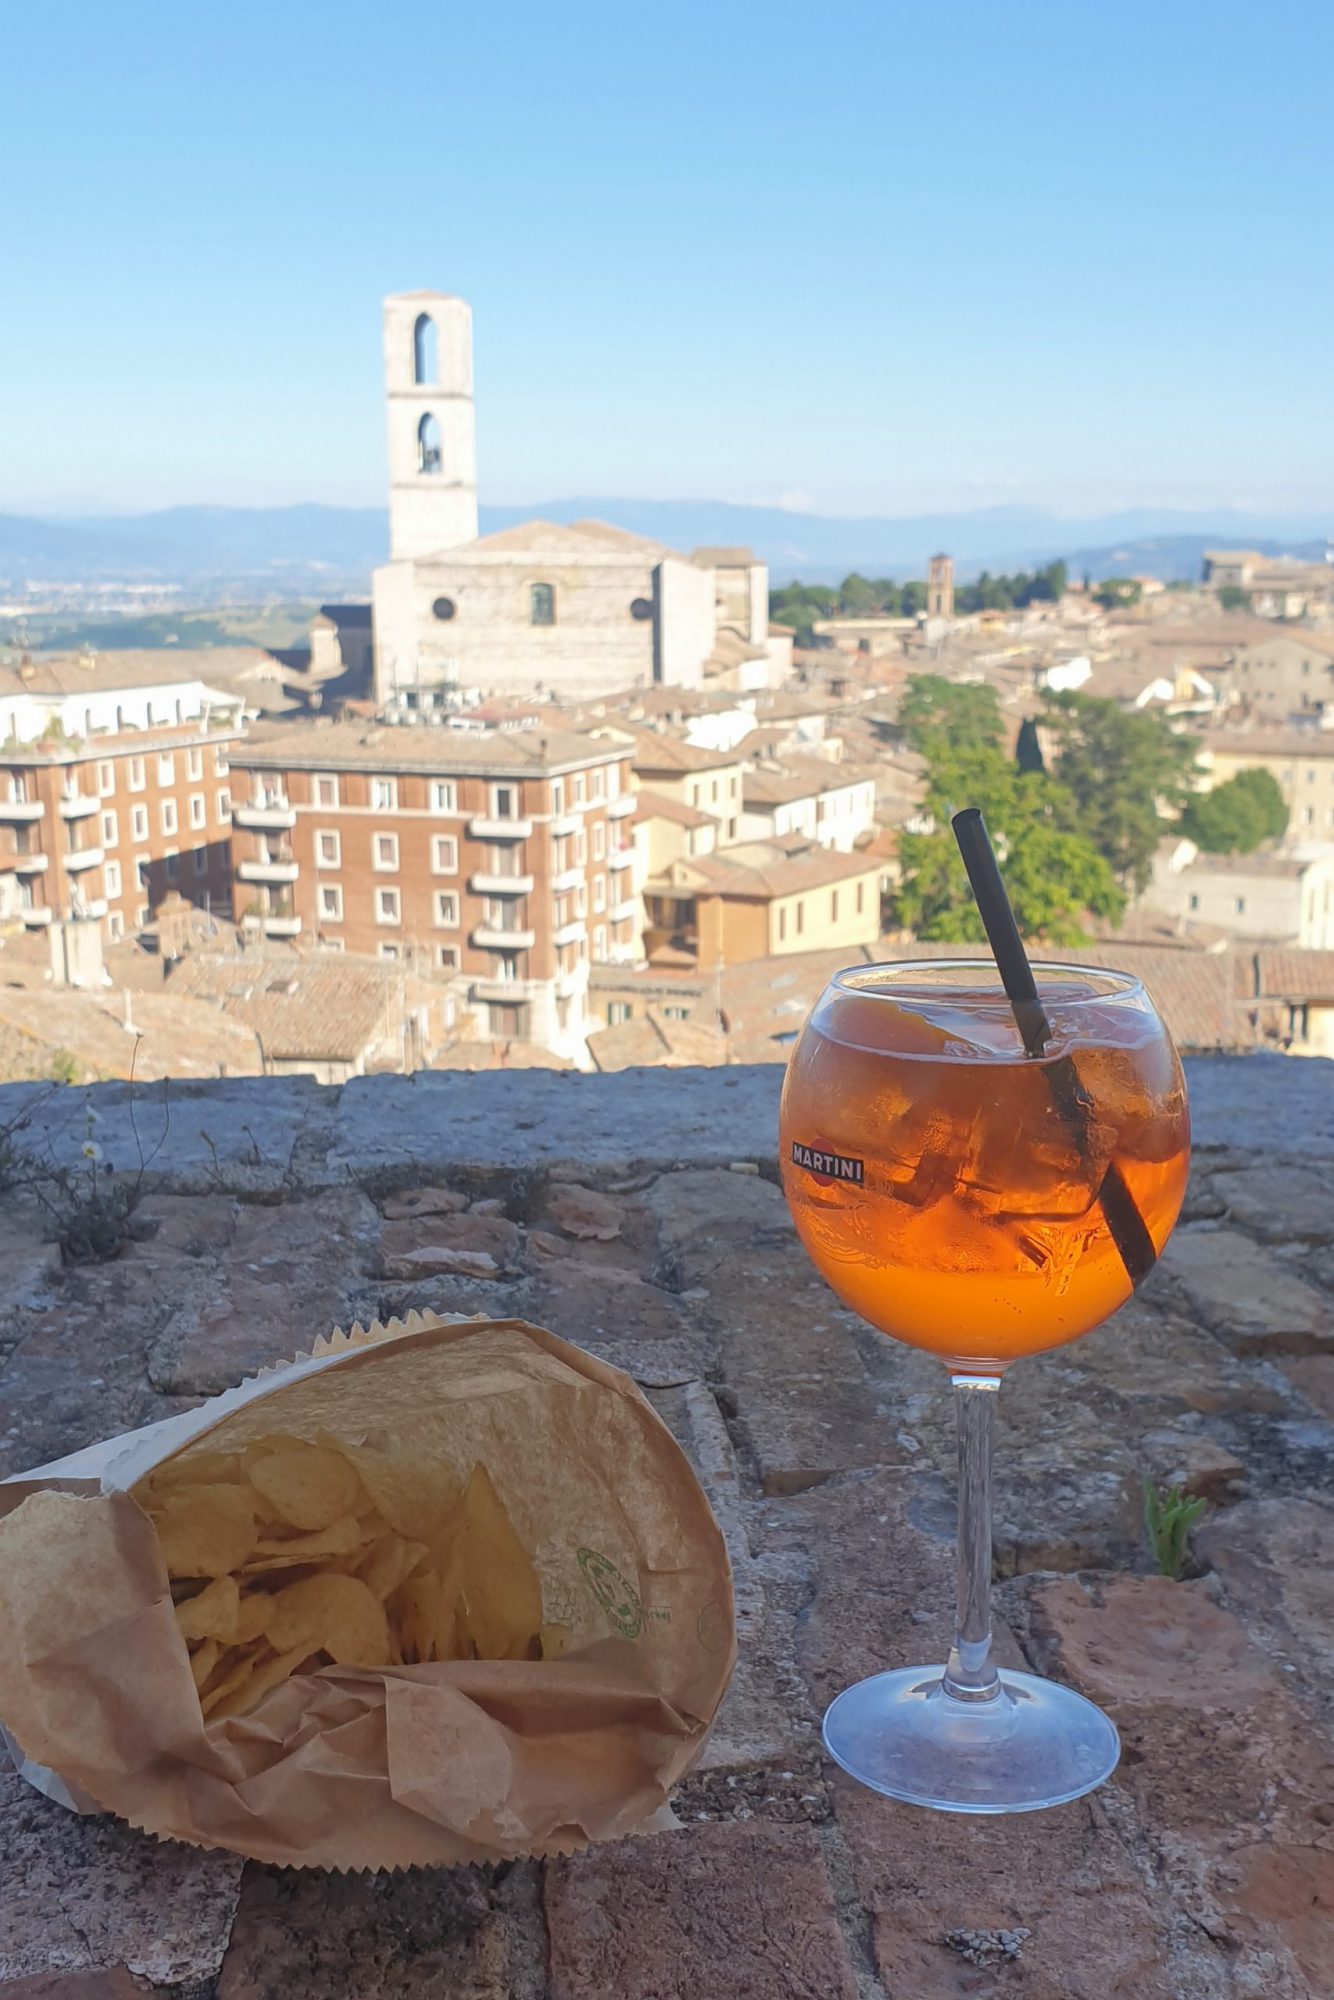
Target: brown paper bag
<point>464,1761</point>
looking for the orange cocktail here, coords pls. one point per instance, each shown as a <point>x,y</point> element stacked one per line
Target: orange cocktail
<point>936,1175</point>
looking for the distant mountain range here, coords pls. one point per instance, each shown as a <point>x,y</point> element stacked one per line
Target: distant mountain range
<point>312,551</point>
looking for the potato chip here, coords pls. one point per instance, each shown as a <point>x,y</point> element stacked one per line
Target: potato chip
<point>203,1530</point>
<point>343,1538</point>
<point>235,1667</point>
<point>198,1468</point>
<point>413,1495</point>
<point>203,1660</point>
<point>266,1674</point>
<point>554,1641</point>
<point>331,1614</point>
<point>254,1612</point>
<point>389,1563</point>
<point>501,1591</point>
<point>211,1615</point>
<point>424,1619</point>
<point>306,1485</point>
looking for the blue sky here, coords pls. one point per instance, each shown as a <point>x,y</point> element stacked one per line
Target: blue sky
<point>861,258</point>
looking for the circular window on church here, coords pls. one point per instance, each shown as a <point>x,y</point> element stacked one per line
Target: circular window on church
<point>444,608</point>
<point>641,608</point>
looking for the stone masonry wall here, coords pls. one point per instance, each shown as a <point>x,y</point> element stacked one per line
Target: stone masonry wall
<point>639,1215</point>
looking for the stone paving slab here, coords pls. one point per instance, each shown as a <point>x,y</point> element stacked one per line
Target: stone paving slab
<point>612,1210</point>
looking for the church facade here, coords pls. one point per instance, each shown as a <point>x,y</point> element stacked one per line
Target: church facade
<point>543,610</point>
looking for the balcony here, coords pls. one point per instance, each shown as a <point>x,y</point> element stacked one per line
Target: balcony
<point>567,984</point>
<point>281,926</point>
<point>569,878</point>
<point>512,991</point>
<point>621,857</point>
<point>80,859</point>
<point>571,933</point>
<point>267,871</point>
<point>483,883</point>
<point>483,828</point>
<point>36,915</point>
<point>91,909</point>
<point>622,807</point>
<point>22,811</point>
<point>564,823</point>
<point>619,911</point>
<point>28,864</point>
<point>77,805</point>
<point>265,814</point>
<point>487,938</point>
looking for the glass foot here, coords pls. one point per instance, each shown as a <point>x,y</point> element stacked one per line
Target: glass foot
<point>1035,1744</point>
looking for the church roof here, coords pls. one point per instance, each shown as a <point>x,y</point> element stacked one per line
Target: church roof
<point>572,540</point>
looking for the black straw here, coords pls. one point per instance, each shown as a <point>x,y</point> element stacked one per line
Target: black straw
<point>1124,1221</point>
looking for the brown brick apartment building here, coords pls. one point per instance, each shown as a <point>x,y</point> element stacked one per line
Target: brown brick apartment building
<point>107,826</point>
<point>507,856</point>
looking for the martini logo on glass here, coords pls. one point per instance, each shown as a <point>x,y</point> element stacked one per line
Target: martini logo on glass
<point>829,1167</point>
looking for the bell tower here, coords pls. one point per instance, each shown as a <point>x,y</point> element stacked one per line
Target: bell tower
<point>432,435</point>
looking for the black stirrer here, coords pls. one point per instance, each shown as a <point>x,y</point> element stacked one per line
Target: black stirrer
<point>1124,1222</point>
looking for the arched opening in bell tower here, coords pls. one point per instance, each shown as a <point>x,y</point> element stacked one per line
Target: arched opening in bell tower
<point>428,444</point>
<point>425,351</point>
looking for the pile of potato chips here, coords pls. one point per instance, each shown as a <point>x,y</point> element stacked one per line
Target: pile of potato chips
<point>291,1554</point>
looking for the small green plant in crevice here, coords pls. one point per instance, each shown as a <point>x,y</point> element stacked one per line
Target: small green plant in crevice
<point>90,1205</point>
<point>64,1067</point>
<point>1169,1516</point>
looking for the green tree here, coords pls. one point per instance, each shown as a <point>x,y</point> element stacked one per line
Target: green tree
<point>1117,593</point>
<point>858,597</point>
<point>1238,816</point>
<point>1231,597</point>
<point>1125,769</point>
<point>912,600</point>
<point>941,718</point>
<point>799,605</point>
<point>1055,877</point>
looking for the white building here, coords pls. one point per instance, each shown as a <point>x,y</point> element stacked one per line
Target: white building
<point>572,611</point>
<point>1280,898</point>
<point>809,796</point>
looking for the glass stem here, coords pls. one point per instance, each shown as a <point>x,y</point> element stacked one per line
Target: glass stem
<point>971,1674</point>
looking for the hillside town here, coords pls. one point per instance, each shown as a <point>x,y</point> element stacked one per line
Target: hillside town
<point>565,796</point>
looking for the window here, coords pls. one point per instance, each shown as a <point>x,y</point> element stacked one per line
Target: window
<point>713,792</point>
<point>861,897</point>
<point>224,806</point>
<point>384,795</point>
<point>141,868</point>
<point>387,950</point>
<point>618,1011</point>
<point>735,786</point>
<point>167,815</point>
<point>428,445</point>
<point>444,855</point>
<point>641,608</point>
<point>331,902</point>
<point>558,795</point>
<point>579,788</point>
<point>139,823</point>
<point>833,906</point>
<point>443,608</point>
<point>425,351</point>
<point>580,848</point>
<point>221,768</point>
<point>142,915</point>
<point>1241,906</point>
<point>198,809</point>
<point>328,850</point>
<point>446,909</point>
<point>115,925</point>
<point>201,861</point>
<point>696,793</point>
<point>1310,815</point>
<point>1310,775</point>
<point>600,840</point>
<point>782,925</point>
<point>801,918</point>
<point>596,784</point>
<point>442,795</point>
<point>136,774</point>
<point>581,901</point>
<point>388,908</point>
<point>675,1012</point>
<point>106,781</point>
<point>384,853</point>
<point>166,768</point>
<point>599,892</point>
<point>325,791</point>
<point>542,604</point>
<point>731,829</point>
<point>110,830</point>
<point>504,802</point>
<point>600,941</point>
<point>194,764</point>
<point>111,878</point>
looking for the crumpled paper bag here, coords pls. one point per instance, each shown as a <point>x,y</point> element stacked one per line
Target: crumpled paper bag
<point>467,1761</point>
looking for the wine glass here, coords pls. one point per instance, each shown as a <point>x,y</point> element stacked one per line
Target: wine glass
<point>968,1198</point>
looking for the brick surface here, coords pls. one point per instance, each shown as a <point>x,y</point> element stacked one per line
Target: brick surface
<point>739,1912</point>
<point>419,1936</point>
